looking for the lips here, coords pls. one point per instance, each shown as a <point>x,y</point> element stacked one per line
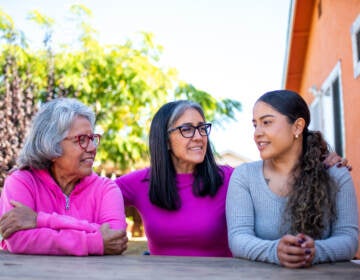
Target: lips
<point>89,160</point>
<point>262,145</point>
<point>196,148</point>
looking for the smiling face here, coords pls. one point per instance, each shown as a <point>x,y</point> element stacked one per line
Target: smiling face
<point>186,153</point>
<point>274,135</point>
<point>75,162</point>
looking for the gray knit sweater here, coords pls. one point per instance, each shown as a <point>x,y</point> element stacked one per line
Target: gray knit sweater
<point>255,224</point>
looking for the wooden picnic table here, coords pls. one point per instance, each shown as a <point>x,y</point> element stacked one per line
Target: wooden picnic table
<point>19,267</point>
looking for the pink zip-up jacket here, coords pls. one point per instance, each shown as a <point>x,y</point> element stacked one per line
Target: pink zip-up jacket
<point>65,225</point>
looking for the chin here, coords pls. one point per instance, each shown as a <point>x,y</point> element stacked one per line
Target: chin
<point>87,172</point>
<point>264,156</point>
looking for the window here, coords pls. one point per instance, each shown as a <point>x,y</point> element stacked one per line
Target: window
<point>327,111</point>
<point>355,38</point>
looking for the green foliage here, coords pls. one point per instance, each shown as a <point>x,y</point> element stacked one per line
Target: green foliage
<point>125,83</point>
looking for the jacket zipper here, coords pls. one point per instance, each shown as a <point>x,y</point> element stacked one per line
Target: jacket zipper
<point>67,202</point>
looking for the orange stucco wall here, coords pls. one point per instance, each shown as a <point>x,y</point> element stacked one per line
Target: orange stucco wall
<point>329,43</point>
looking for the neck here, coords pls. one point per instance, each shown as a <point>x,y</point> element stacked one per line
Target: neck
<point>64,182</point>
<point>285,163</point>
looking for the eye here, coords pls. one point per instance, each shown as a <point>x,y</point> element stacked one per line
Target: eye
<point>82,139</point>
<point>267,122</point>
<point>203,128</point>
<point>186,129</point>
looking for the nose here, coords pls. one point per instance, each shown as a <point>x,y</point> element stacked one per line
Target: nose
<point>91,146</point>
<point>197,134</point>
<point>258,131</point>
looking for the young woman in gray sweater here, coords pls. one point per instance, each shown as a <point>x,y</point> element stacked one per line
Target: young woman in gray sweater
<point>288,208</point>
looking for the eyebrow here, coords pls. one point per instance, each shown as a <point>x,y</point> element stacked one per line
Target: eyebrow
<point>189,123</point>
<point>265,116</point>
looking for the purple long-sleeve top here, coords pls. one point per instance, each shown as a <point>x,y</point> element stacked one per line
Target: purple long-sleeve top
<point>198,228</point>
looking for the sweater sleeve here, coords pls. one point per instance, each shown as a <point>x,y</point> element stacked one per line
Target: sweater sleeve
<point>343,240</point>
<point>57,234</point>
<point>240,218</point>
<point>128,185</point>
<point>111,211</point>
<point>46,241</point>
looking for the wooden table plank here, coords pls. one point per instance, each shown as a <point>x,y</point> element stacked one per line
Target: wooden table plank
<point>159,267</point>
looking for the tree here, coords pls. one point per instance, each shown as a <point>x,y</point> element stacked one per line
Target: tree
<point>125,84</point>
<point>17,103</point>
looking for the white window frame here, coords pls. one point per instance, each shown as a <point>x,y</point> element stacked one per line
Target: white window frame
<point>355,28</point>
<point>319,108</point>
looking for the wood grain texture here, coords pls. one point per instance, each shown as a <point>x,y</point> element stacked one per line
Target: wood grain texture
<point>160,267</point>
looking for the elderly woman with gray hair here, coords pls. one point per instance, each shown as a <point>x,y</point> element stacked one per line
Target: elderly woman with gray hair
<point>69,209</point>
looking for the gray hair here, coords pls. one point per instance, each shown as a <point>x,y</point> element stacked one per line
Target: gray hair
<point>49,127</point>
<point>181,107</point>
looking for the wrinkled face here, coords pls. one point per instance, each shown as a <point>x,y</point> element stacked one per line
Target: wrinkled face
<point>186,153</point>
<point>76,162</point>
<point>273,135</point>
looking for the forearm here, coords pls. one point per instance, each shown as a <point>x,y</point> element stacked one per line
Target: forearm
<point>253,248</point>
<point>46,241</point>
<point>337,248</point>
<point>62,222</point>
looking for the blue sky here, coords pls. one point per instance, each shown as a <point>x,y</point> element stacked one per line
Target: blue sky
<point>230,48</point>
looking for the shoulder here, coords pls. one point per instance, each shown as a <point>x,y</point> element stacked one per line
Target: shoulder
<point>341,175</point>
<point>246,167</point>
<point>226,169</point>
<point>136,176</point>
<point>98,182</point>
<point>25,176</point>
<point>21,182</point>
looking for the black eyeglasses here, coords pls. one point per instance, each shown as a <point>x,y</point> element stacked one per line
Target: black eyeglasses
<point>84,139</point>
<point>188,131</point>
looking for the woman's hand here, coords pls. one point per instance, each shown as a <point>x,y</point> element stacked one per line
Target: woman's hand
<point>296,251</point>
<point>115,241</point>
<point>308,244</point>
<point>333,158</point>
<point>19,218</point>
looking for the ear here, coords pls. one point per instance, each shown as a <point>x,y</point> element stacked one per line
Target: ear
<point>298,127</point>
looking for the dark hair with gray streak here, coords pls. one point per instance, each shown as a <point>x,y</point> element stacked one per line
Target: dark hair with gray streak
<point>49,127</point>
<point>163,190</point>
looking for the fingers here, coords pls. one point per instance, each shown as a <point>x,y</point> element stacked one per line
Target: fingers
<point>296,251</point>
<point>334,159</point>
<point>7,232</point>
<point>17,203</point>
<point>308,244</point>
<point>115,241</point>
<point>19,218</point>
<point>7,227</point>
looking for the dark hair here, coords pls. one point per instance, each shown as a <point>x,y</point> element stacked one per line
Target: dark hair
<point>163,190</point>
<point>311,204</point>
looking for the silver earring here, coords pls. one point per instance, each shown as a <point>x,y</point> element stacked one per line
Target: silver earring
<point>296,136</point>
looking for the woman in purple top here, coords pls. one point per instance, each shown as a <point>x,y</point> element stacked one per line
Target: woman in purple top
<point>181,197</point>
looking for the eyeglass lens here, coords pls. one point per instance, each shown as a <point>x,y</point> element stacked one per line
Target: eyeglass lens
<point>84,140</point>
<point>189,131</point>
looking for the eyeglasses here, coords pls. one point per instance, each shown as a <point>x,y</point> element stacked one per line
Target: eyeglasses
<point>84,139</point>
<point>188,131</point>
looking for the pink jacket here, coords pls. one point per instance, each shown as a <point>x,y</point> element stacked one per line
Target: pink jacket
<point>65,225</point>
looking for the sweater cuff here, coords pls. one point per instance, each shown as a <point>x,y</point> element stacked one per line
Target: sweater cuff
<point>275,256</point>
<point>95,243</point>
